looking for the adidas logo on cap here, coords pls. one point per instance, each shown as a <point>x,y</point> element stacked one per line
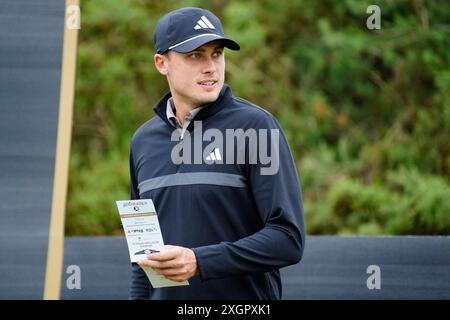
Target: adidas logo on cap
<point>204,23</point>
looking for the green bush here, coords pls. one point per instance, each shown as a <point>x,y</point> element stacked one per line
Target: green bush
<point>425,203</point>
<point>408,202</point>
<point>92,209</point>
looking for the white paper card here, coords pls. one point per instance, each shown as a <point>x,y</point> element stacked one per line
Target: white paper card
<point>143,233</point>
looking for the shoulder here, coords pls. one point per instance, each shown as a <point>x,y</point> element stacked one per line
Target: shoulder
<point>253,113</point>
<point>251,109</point>
<point>146,129</point>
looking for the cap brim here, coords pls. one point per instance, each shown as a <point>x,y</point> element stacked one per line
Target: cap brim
<point>196,42</point>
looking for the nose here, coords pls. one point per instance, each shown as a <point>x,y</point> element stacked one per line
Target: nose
<point>209,66</point>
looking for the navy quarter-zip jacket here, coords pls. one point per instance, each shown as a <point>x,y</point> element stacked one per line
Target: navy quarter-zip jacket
<point>242,225</point>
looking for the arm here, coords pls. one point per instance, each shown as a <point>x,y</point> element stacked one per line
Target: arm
<point>279,202</point>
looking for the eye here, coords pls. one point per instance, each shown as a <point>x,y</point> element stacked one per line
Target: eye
<point>217,53</point>
<point>194,56</point>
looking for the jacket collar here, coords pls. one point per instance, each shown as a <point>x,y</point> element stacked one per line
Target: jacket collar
<point>208,110</point>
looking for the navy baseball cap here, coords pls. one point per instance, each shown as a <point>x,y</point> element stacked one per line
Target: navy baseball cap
<point>187,29</point>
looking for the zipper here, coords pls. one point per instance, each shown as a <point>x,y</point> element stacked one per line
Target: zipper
<point>180,141</point>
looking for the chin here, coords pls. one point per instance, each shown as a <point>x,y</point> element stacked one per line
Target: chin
<point>208,97</point>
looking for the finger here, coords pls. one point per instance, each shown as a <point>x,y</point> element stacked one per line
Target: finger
<point>169,264</point>
<point>164,255</point>
<point>177,278</point>
<point>172,271</point>
<point>151,263</point>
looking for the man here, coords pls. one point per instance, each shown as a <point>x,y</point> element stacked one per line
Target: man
<point>231,219</point>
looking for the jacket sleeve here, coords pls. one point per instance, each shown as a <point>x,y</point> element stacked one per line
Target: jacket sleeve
<point>134,193</point>
<point>278,198</point>
<point>140,285</point>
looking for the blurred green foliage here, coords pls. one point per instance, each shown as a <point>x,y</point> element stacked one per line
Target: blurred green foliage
<point>366,112</point>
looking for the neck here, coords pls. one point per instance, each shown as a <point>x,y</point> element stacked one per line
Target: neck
<point>182,108</point>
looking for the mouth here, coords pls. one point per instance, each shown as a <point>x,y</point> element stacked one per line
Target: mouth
<point>207,83</point>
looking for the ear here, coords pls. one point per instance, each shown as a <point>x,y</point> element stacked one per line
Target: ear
<point>161,64</point>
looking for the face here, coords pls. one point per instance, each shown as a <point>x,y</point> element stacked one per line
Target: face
<point>196,77</point>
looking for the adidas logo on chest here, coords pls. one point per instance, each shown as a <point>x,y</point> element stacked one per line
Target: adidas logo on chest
<point>214,155</point>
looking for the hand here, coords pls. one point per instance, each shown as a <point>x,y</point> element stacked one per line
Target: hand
<point>175,263</point>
